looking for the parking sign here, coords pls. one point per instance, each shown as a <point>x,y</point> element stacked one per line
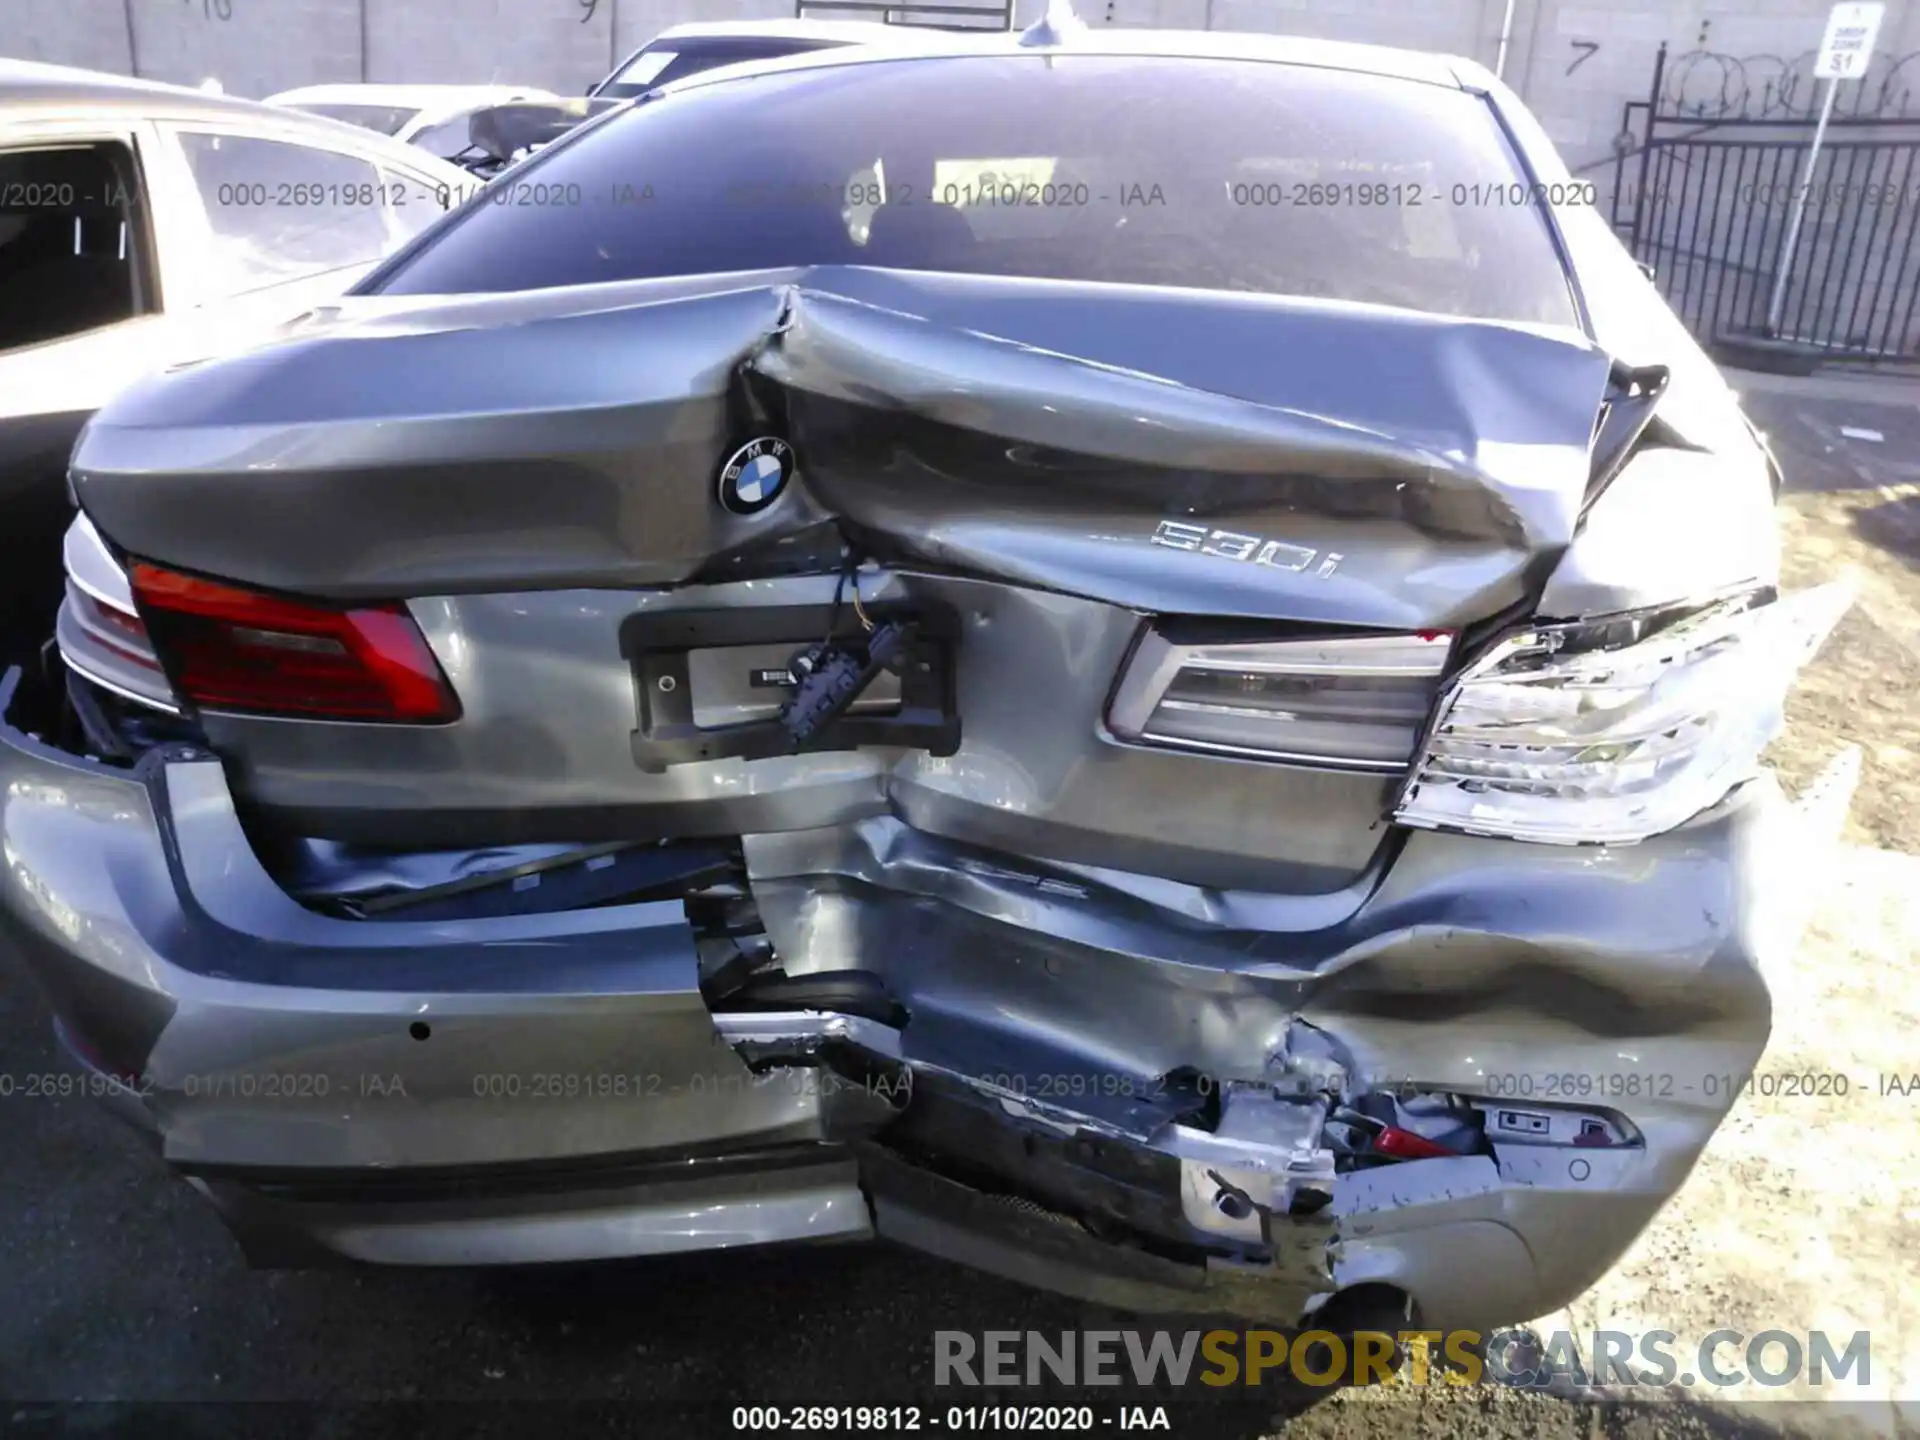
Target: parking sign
<point>1847,48</point>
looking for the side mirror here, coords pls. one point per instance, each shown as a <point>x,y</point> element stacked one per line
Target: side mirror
<point>1646,269</point>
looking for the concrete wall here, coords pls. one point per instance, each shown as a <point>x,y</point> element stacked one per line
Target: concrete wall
<point>1577,91</point>
<point>1576,61</point>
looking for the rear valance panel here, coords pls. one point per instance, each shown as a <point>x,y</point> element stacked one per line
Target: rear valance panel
<point>1178,451</point>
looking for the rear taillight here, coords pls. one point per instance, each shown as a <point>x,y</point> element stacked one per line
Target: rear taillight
<point>100,633</point>
<point>1611,730</point>
<point>1407,1145</point>
<point>1348,702</point>
<point>233,649</point>
<point>112,629</point>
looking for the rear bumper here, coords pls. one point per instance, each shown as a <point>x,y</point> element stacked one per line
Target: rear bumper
<point>256,1039</point>
<point>601,1213</point>
<point>554,1087</point>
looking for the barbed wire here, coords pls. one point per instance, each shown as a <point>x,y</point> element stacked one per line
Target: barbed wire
<point>1713,85</point>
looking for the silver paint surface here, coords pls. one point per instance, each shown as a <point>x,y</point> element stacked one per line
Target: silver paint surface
<point>139,906</point>
<point>821,1203</point>
<point>135,897</point>
<point>1472,963</point>
<point>532,470</point>
<point>1030,431</point>
<point>549,706</point>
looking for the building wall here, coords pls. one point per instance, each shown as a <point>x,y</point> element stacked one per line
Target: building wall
<point>92,33</point>
<point>1575,61</point>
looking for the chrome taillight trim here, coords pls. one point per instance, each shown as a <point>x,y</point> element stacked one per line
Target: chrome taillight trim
<point>1157,662</point>
<point>92,568</point>
<point>125,692</point>
<point>116,662</point>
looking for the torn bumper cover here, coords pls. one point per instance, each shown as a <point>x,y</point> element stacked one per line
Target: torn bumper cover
<point>1153,1094</point>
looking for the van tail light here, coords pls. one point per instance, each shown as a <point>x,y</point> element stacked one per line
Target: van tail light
<point>232,649</point>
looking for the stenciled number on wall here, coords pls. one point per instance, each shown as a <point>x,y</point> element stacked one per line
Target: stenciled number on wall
<point>214,9</point>
<point>587,8</point>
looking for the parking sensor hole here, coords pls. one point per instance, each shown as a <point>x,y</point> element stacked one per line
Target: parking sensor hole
<point>419,1030</point>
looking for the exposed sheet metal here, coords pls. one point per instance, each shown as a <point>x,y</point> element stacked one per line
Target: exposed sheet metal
<point>138,901</point>
<point>1474,965</point>
<point>314,869</point>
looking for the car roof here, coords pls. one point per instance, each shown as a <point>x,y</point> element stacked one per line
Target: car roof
<point>29,88</point>
<point>1149,45</point>
<point>420,96</point>
<point>843,32</point>
<point>30,85</point>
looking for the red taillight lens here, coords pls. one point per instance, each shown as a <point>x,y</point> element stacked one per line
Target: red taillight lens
<point>1405,1145</point>
<point>112,629</point>
<point>233,649</point>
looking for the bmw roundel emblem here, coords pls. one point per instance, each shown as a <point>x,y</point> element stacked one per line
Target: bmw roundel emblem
<point>755,475</point>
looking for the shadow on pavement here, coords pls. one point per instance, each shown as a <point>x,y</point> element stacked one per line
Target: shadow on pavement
<point>1894,526</point>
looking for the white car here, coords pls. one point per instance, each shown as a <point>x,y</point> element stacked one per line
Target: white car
<point>682,50</point>
<point>434,117</point>
<point>143,225</point>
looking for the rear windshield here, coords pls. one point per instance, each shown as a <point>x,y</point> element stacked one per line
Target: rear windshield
<point>387,119</point>
<point>1219,174</point>
<point>677,59</point>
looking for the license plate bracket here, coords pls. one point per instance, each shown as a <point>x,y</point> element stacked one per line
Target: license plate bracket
<point>658,647</point>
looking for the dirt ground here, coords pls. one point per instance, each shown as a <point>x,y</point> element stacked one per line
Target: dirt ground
<point>1853,505</point>
<point>117,1284</point>
<point>1804,1212</point>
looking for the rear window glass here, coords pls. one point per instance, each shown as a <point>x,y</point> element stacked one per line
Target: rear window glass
<point>1230,175</point>
<point>387,119</point>
<point>689,57</point>
<point>277,210</point>
<point>447,139</point>
<point>640,72</point>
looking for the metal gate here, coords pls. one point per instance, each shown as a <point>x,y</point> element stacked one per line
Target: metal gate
<point>1708,169</point>
<point>939,14</point>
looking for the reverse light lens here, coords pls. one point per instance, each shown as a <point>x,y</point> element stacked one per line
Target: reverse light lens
<point>235,649</point>
<point>1608,732</point>
<point>1358,702</point>
<point>111,630</point>
<point>99,630</point>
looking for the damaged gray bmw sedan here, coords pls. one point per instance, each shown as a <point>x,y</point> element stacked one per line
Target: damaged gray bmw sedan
<point>1139,661</point>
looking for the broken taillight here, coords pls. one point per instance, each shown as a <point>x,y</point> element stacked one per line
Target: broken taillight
<point>1407,1145</point>
<point>1610,730</point>
<point>227,648</point>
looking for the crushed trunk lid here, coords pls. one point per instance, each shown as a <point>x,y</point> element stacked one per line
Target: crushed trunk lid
<point>1174,451</point>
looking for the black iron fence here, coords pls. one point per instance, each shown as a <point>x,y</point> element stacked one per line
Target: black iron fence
<point>939,14</point>
<point>1710,173</point>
